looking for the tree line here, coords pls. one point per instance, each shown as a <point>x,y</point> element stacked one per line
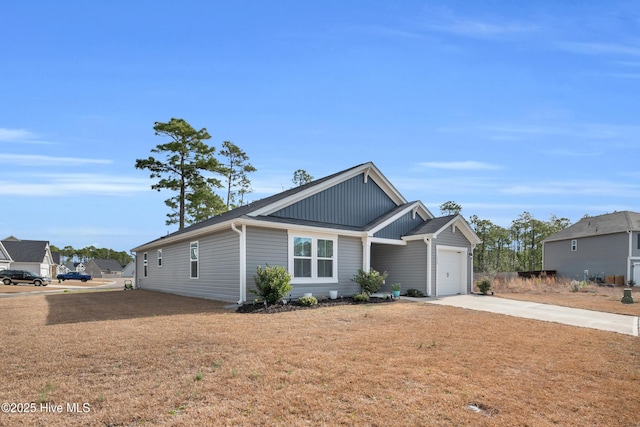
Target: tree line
<point>190,168</point>
<point>69,253</point>
<point>516,248</point>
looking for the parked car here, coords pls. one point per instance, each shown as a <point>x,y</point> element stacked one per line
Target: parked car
<point>74,275</point>
<point>13,277</point>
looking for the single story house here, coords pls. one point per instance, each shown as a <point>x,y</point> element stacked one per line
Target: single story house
<point>597,246</point>
<point>103,268</point>
<point>323,232</point>
<point>30,255</point>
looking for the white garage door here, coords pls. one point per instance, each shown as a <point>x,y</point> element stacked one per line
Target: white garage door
<point>452,271</point>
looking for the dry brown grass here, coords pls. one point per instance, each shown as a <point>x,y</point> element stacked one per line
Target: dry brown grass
<point>144,358</point>
<point>562,292</point>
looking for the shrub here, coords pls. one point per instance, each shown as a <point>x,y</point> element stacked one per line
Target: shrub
<point>370,282</point>
<point>484,285</point>
<point>396,287</point>
<point>308,301</point>
<point>363,297</point>
<point>414,293</point>
<point>273,283</point>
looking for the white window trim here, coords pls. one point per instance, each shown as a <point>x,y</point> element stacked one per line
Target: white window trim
<point>159,257</point>
<point>197,276</point>
<point>145,264</point>
<point>314,257</point>
<point>574,245</point>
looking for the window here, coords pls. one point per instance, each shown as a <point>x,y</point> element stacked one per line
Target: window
<point>193,257</point>
<point>638,240</point>
<point>159,257</point>
<point>312,258</point>
<point>574,245</point>
<point>145,264</point>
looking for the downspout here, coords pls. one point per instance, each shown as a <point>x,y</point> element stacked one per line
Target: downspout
<point>243,261</point>
<point>427,241</point>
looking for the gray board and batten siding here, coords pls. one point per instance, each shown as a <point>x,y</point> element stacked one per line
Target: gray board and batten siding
<point>350,203</point>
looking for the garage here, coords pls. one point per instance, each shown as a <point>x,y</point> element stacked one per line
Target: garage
<point>451,270</point>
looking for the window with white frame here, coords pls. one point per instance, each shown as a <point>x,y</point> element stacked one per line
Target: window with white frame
<point>159,257</point>
<point>312,258</point>
<point>145,264</point>
<point>574,245</point>
<point>193,259</point>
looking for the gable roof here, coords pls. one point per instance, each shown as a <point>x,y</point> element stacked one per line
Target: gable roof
<point>434,226</point>
<point>107,264</point>
<point>258,210</point>
<point>26,250</point>
<point>617,222</point>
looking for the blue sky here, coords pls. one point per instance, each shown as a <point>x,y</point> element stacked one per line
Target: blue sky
<point>503,107</point>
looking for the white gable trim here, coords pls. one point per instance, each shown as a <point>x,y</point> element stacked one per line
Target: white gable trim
<point>370,172</point>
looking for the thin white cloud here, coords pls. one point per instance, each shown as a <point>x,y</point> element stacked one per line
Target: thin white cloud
<point>600,48</point>
<point>462,165</point>
<point>475,28</point>
<point>16,135</point>
<point>42,160</point>
<point>574,188</point>
<point>55,185</point>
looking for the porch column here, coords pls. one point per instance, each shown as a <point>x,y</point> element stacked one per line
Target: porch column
<point>427,241</point>
<point>366,253</point>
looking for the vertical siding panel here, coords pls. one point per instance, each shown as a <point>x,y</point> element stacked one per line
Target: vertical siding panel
<point>352,203</point>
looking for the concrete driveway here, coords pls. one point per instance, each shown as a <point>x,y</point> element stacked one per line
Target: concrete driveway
<point>550,313</point>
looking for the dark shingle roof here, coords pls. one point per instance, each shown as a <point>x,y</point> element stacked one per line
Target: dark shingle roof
<point>108,264</point>
<point>242,211</point>
<point>431,226</point>
<point>616,222</point>
<point>26,250</point>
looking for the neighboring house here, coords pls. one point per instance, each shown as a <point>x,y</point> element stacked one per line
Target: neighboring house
<point>31,255</point>
<point>323,232</point>
<point>5,258</point>
<point>103,268</point>
<point>73,266</point>
<point>598,246</point>
<point>129,270</point>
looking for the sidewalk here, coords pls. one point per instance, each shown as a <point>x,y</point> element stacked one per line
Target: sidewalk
<point>551,313</point>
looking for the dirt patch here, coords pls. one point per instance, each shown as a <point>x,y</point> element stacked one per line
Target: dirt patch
<point>145,358</point>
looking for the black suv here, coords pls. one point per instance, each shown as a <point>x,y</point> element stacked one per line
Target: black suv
<point>13,277</point>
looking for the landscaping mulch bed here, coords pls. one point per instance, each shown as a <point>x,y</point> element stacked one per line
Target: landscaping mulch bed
<point>295,305</point>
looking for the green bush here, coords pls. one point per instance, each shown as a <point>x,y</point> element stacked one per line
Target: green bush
<point>414,293</point>
<point>308,301</point>
<point>396,287</point>
<point>273,283</point>
<point>484,285</point>
<point>370,282</point>
<point>363,297</point>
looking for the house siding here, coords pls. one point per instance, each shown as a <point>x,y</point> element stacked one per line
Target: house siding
<point>635,245</point>
<point>603,255</point>
<point>264,246</point>
<point>352,203</point>
<point>219,268</point>
<point>406,265</point>
<point>400,227</point>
